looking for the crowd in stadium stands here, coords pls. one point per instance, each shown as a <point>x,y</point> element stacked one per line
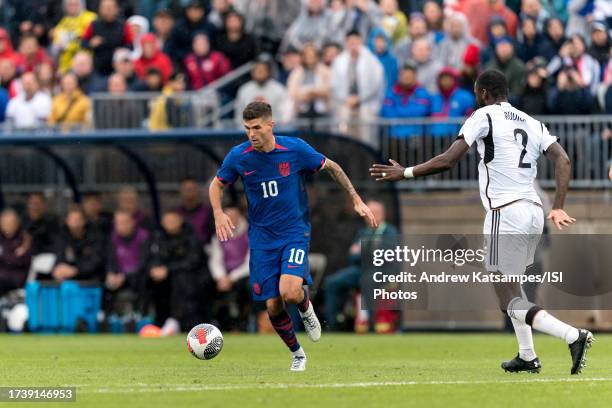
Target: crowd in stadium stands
<point>338,59</point>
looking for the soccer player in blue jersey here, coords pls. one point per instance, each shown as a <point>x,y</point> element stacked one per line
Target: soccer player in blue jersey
<point>272,169</point>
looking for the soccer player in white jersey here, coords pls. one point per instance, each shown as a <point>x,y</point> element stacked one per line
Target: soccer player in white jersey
<point>509,143</point>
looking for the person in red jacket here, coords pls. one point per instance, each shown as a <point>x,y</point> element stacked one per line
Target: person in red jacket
<point>152,57</point>
<point>31,54</point>
<point>6,46</point>
<point>204,66</point>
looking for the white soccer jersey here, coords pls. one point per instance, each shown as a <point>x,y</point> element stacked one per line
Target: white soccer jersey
<point>509,143</point>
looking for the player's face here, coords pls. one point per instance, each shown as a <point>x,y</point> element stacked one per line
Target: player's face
<point>480,96</point>
<point>259,131</point>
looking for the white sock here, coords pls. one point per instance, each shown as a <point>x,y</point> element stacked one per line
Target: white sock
<point>299,352</point>
<point>547,323</point>
<point>525,339</point>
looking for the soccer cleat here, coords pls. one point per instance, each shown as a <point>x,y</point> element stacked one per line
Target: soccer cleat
<point>298,363</point>
<point>311,323</point>
<point>578,350</point>
<point>517,364</point>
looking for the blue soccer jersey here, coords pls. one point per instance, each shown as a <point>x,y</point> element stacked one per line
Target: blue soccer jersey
<point>274,187</point>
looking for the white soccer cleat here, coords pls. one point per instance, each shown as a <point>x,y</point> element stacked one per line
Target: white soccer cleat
<point>298,363</point>
<point>311,323</point>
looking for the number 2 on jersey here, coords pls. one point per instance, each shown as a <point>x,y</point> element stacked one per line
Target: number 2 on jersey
<point>524,140</point>
<point>270,188</point>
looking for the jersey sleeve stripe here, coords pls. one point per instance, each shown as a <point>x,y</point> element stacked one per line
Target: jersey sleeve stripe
<point>223,181</point>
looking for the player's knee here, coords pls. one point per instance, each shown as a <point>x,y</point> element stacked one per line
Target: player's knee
<point>274,306</point>
<point>292,294</point>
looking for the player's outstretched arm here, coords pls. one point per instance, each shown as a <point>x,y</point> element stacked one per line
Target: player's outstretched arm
<point>223,224</point>
<point>440,163</point>
<point>563,166</point>
<point>340,177</point>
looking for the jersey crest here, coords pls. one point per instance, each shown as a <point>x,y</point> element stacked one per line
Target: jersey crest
<point>284,169</point>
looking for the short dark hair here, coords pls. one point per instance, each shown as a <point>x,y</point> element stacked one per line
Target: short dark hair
<point>256,110</point>
<point>353,33</point>
<point>494,82</point>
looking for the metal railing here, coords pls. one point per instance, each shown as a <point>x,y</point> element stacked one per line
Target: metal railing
<point>587,139</point>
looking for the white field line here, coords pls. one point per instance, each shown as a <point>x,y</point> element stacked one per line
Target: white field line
<point>147,388</point>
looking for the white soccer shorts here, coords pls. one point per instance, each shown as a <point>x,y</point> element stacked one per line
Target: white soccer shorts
<point>512,234</point>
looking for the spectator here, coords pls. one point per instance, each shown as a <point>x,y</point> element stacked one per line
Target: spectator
<point>330,51</point>
<point>532,43</point>
<point>339,284</point>
<point>407,99</point>
<point>357,85</point>
<point>380,45</point>
<point>82,67</point>
<point>580,13</point>
<point>118,112</point>
<point>81,250</point>
<point>604,94</point>
<point>427,66</point>
<point>31,55</point>
<point>497,31</point>
<point>123,65</point>
<point>15,252</point>
<point>533,10</point>
<point>8,76</point>
<point>507,63</point>
<point>534,98</point>
<point>204,66</point>
<point>600,43</point>
<point>469,68</point>
<point>128,201</point>
<point>180,42</point>
<point>480,12</point>
<point>450,102</point>
<point>95,214</point>
<point>290,60</point>
<point>554,33</point>
<point>31,108</point>
<point>163,23</point>
<point>177,272</point>
<point>153,81</point>
<point>354,15</point>
<point>171,109</point>
<point>138,27</point>
<point>67,34</point>
<point>152,57</point>
<point>105,34</point>
<point>309,86</point>
<point>573,54</point>
<point>238,46</point>
<point>268,20</point>
<point>40,224</point>
<point>4,99</point>
<point>70,108</point>
<point>126,267</point>
<point>220,9</point>
<point>571,95</point>
<point>6,46</point>
<point>263,87</point>
<point>435,19</point>
<point>45,74</point>
<point>229,267</point>
<point>195,210</point>
<point>418,29</point>
<point>452,48</point>
<point>393,21</point>
<point>313,25</point>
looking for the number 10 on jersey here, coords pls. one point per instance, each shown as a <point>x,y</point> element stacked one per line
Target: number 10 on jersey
<point>270,188</point>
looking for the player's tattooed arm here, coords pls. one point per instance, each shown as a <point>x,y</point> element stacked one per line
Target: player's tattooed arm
<point>223,224</point>
<point>563,167</point>
<point>340,177</point>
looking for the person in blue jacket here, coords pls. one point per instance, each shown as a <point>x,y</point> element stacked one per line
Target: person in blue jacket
<point>406,99</point>
<point>452,101</point>
<point>380,45</point>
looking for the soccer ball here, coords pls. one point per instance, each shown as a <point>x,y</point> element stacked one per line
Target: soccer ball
<point>205,341</point>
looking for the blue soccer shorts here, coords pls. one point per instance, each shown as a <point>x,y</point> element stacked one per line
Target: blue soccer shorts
<point>267,266</point>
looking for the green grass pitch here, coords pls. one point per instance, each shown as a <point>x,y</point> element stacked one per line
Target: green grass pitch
<point>409,370</point>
